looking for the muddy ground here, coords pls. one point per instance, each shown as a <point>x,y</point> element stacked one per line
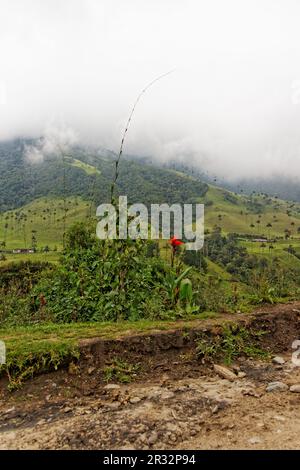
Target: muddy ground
<point>175,400</point>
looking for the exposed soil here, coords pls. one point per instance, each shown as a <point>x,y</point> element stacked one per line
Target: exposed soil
<point>175,400</point>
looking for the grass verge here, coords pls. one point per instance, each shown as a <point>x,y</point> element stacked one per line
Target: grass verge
<point>40,348</point>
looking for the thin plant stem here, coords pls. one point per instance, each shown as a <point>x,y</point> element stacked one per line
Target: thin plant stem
<point>117,162</point>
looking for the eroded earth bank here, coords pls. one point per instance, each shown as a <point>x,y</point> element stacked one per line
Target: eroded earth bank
<point>168,390</point>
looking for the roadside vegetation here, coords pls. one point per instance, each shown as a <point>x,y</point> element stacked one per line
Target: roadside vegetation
<point>105,287</point>
<point>59,284</point>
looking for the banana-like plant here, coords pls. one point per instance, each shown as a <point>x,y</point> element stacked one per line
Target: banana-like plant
<point>173,283</point>
<point>186,292</point>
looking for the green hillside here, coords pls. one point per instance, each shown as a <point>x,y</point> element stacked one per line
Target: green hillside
<point>257,215</point>
<point>86,173</point>
<point>259,218</point>
<point>59,192</point>
<point>251,253</point>
<point>45,218</point>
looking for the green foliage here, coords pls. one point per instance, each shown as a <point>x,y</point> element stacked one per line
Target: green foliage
<point>14,308</point>
<point>106,280</point>
<point>227,252</point>
<point>172,283</point>
<point>32,359</point>
<point>113,281</point>
<point>121,371</point>
<point>207,349</point>
<point>22,275</point>
<point>234,341</point>
<point>230,197</point>
<point>17,281</point>
<point>215,292</point>
<point>272,282</point>
<point>186,296</point>
<point>79,237</point>
<point>237,341</point>
<point>186,291</point>
<point>22,182</point>
<point>195,259</point>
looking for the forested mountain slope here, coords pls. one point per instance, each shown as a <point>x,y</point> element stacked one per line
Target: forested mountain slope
<point>87,173</point>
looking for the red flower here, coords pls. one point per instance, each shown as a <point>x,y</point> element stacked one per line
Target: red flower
<point>175,242</point>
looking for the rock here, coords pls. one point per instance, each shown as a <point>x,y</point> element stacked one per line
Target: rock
<point>67,409</point>
<point>9,410</point>
<point>153,438</point>
<point>182,388</point>
<point>91,370</point>
<point>173,428</point>
<point>241,359</point>
<point>255,440</point>
<point>276,387</point>
<point>114,405</point>
<point>40,422</point>
<point>165,378</point>
<point>278,360</point>
<point>295,388</point>
<point>225,372</point>
<point>112,387</point>
<point>279,418</point>
<point>241,375</point>
<point>215,409</point>
<point>134,400</point>
<point>142,438</point>
<point>173,438</point>
<point>166,395</point>
<point>261,425</point>
<point>10,435</point>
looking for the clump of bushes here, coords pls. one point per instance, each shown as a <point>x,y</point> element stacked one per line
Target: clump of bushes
<point>107,280</point>
<point>22,275</point>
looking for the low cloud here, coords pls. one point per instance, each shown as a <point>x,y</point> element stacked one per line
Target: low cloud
<point>56,141</point>
<point>231,107</point>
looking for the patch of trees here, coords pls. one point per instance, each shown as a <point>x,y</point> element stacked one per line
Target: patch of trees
<point>230,198</point>
<point>227,252</point>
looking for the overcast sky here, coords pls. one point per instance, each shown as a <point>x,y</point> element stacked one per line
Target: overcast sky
<point>232,103</point>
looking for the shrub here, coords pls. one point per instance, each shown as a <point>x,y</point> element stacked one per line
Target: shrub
<point>104,280</point>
